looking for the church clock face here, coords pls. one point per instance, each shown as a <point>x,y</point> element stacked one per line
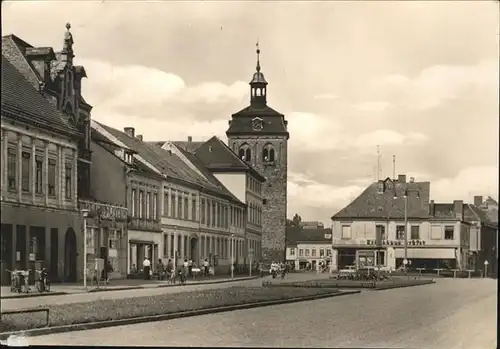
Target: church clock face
<point>257,124</point>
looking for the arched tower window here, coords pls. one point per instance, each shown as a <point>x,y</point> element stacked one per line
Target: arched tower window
<point>268,153</point>
<point>245,153</point>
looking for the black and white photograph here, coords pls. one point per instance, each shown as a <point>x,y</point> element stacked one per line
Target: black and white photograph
<point>268,174</point>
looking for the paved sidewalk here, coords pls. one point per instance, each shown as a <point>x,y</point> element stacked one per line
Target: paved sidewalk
<point>77,297</point>
<point>115,285</point>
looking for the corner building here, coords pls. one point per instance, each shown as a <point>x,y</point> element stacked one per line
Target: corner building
<point>259,135</point>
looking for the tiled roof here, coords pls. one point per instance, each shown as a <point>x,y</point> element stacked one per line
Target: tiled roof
<point>274,122</point>
<point>21,100</point>
<point>296,235</point>
<point>191,147</point>
<point>218,157</point>
<point>473,213</point>
<point>206,172</point>
<point>14,49</point>
<point>372,204</point>
<point>167,163</point>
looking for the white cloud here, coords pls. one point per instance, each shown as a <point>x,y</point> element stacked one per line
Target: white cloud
<point>438,83</point>
<point>326,96</point>
<point>480,180</point>
<point>388,137</point>
<point>132,85</point>
<point>162,130</point>
<point>314,132</point>
<point>306,194</point>
<point>374,106</point>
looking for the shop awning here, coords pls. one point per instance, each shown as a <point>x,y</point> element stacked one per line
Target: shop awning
<point>142,242</point>
<point>426,253</point>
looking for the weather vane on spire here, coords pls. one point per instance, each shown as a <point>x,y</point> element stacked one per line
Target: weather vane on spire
<point>258,55</point>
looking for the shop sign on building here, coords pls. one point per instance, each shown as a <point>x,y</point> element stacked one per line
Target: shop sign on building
<point>397,242</point>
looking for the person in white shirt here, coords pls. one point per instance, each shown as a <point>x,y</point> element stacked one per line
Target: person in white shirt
<point>146,265</point>
<point>206,266</point>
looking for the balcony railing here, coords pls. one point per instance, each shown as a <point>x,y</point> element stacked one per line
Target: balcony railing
<point>104,211</point>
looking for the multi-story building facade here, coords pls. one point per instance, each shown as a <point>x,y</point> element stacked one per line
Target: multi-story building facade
<point>259,135</point>
<point>238,177</point>
<point>193,216</point>
<point>47,96</point>
<point>483,216</point>
<point>308,248</point>
<point>46,119</point>
<point>370,230</point>
<point>214,212</point>
<point>39,166</point>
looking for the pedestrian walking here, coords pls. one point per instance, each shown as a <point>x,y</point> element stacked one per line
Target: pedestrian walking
<point>146,265</point>
<point>109,270</point>
<point>205,267</point>
<point>190,267</point>
<point>185,267</point>
<point>160,267</point>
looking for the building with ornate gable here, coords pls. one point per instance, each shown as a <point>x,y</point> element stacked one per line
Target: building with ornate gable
<point>46,162</point>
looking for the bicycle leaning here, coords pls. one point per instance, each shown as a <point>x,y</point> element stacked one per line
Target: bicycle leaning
<point>42,283</point>
<point>19,281</point>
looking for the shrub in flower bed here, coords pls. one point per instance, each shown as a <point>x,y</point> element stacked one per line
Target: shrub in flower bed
<point>106,309</point>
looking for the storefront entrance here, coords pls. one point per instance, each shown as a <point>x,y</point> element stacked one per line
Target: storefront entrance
<point>194,250</point>
<point>346,257</point>
<point>138,251</point>
<point>70,256</point>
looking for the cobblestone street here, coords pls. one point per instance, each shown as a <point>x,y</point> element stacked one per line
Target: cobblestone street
<point>450,314</point>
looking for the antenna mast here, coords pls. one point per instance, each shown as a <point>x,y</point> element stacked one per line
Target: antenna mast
<point>394,167</point>
<point>378,163</point>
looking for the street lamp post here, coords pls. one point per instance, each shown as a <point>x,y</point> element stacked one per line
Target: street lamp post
<point>405,197</point>
<point>405,261</point>
<point>85,213</point>
<point>232,256</point>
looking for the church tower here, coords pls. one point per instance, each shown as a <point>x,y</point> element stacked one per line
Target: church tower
<point>259,135</point>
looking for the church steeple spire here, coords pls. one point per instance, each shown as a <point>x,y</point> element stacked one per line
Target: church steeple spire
<point>258,85</point>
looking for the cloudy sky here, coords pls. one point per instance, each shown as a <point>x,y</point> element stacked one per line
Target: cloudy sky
<point>420,79</point>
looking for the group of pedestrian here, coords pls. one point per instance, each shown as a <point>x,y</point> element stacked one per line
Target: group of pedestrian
<point>166,271</point>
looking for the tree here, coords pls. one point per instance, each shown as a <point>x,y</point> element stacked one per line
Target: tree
<point>296,220</point>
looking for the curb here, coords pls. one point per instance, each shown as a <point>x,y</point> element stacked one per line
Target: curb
<point>401,286</point>
<point>163,317</point>
<point>211,282</point>
<point>124,288</point>
<point>32,295</point>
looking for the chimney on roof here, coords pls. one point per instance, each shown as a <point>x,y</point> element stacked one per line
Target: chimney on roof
<point>190,139</point>
<point>130,131</point>
<point>431,208</point>
<point>402,178</point>
<point>139,137</point>
<point>412,179</point>
<point>478,200</point>
<point>458,208</point>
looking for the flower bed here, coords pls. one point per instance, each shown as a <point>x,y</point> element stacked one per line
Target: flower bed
<point>332,283</point>
<point>102,310</point>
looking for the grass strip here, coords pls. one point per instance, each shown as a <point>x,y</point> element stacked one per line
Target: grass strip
<point>332,283</point>
<point>106,309</point>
